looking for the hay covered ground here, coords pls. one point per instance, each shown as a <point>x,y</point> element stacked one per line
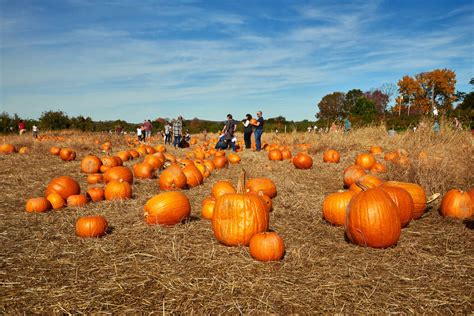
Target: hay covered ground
<point>45,268</point>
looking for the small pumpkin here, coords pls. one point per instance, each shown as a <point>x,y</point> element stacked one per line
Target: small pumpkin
<point>234,158</point>
<point>352,174</point>
<point>376,150</point>
<point>94,178</point>
<point>64,186</point>
<point>78,200</point>
<point>172,178</point>
<point>222,187</point>
<point>267,246</point>
<point>91,226</point>
<point>366,161</point>
<point>457,204</point>
<point>332,156</point>
<point>220,161</point>
<point>167,208</point>
<point>155,161</point>
<point>264,185</point>
<point>96,194</point>
<point>67,154</point>
<point>275,154</point>
<point>302,161</point>
<point>378,168</point>
<point>391,156</point>
<point>286,154</point>
<point>118,173</point>
<point>7,149</point>
<point>56,200</point>
<point>38,205</point>
<point>208,207</point>
<point>118,190</point>
<point>335,205</point>
<point>55,150</point>
<point>23,150</point>
<point>90,164</point>
<point>124,155</point>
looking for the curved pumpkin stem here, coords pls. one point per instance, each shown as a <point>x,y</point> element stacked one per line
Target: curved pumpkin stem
<point>361,186</point>
<point>241,183</point>
<point>432,198</point>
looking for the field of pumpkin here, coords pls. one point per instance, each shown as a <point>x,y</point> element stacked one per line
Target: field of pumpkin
<point>354,223</point>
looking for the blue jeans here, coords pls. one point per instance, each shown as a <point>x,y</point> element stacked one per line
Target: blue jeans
<point>177,140</point>
<point>258,135</point>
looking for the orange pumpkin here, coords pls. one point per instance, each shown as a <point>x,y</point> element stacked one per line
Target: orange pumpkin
<point>23,150</point>
<point>302,161</point>
<point>118,190</point>
<point>143,170</point>
<point>111,161</point>
<point>234,158</point>
<point>378,168</point>
<point>118,173</point>
<point>208,207</point>
<point>335,205</point>
<point>194,177</point>
<point>275,154</point>
<point>332,156</point>
<point>417,193</point>
<point>56,200</point>
<point>404,203</point>
<point>286,154</point>
<point>154,161</point>
<point>55,150</point>
<point>220,162</point>
<point>267,246</point>
<point>210,165</point>
<point>239,216</point>
<point>167,208</point>
<point>133,153</point>
<point>95,194</point>
<point>90,164</point>
<point>222,187</point>
<point>94,178</point>
<point>124,155</point>
<point>391,156</point>
<point>372,219</point>
<point>457,204</point>
<point>91,226</point>
<point>38,205</point>
<point>172,178</point>
<point>264,185</point>
<point>352,174</point>
<point>376,150</point>
<point>67,154</point>
<point>64,186</point>
<point>366,161</point>
<point>368,181</point>
<point>78,200</point>
<point>7,149</point>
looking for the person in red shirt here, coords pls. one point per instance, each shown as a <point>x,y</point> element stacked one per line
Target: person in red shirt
<point>22,127</point>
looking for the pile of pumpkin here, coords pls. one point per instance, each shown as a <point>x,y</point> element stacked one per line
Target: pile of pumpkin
<point>373,211</point>
<point>6,149</point>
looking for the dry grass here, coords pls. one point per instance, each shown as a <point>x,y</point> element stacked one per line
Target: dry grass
<point>139,268</point>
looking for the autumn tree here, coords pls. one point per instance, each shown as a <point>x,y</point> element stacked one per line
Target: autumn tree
<point>351,98</point>
<point>379,99</point>
<point>331,106</point>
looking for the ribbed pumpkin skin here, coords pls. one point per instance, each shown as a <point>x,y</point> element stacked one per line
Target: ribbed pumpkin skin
<point>267,246</point>
<point>372,220</point>
<point>91,164</point>
<point>155,161</point>
<point>368,181</point>
<point>237,217</point>
<point>457,204</point>
<point>64,186</point>
<point>366,161</point>
<point>91,226</point>
<point>96,194</point>
<point>335,206</point>
<point>404,203</point>
<point>265,185</point>
<point>208,207</point>
<point>194,177</point>
<point>417,194</point>
<point>302,161</point>
<point>38,205</point>
<point>117,190</point>
<point>352,174</point>
<point>119,173</point>
<point>143,170</point>
<point>167,208</point>
<point>332,156</point>
<point>222,187</point>
<point>172,178</point>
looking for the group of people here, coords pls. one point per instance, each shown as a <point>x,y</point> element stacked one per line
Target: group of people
<point>144,131</point>
<point>22,129</point>
<point>251,126</point>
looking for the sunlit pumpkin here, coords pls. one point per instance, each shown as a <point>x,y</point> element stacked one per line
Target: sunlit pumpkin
<point>286,154</point>
<point>119,173</point>
<point>118,190</point>
<point>64,186</point>
<point>78,200</point>
<point>124,155</point>
<point>417,193</point>
<point>90,164</point>
<point>208,207</point>
<point>332,156</point>
<point>275,154</point>
<point>366,161</point>
<point>172,178</point>
<point>376,150</point>
<point>194,177</point>
<point>267,246</point>
<point>404,203</point>
<point>377,167</point>
<point>38,205</point>
<point>91,226</point>
<point>264,185</point>
<point>67,154</point>
<point>55,150</point>
<point>167,208</point>
<point>457,204</point>
<point>143,170</point>
<point>234,158</point>
<point>95,194</point>
<point>222,187</point>
<point>94,178</point>
<point>56,200</point>
<point>335,205</point>
<point>352,174</point>
<point>7,149</point>
<point>302,161</point>
<point>220,162</point>
<point>155,161</point>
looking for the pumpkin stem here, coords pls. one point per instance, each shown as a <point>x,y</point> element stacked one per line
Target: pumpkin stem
<point>361,186</point>
<point>241,183</point>
<point>432,198</point>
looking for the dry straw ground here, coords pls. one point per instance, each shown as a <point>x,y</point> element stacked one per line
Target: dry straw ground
<point>139,268</point>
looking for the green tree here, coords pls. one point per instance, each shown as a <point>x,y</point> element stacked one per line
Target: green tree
<point>365,109</point>
<point>54,120</point>
<point>331,106</point>
<point>351,98</point>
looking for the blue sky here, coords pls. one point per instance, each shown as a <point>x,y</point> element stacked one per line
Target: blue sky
<point>146,59</point>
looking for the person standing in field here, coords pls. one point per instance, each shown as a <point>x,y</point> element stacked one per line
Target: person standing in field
<point>147,127</point>
<point>35,131</point>
<point>21,127</point>
<point>347,125</point>
<point>167,133</point>
<point>177,131</point>
<point>228,130</point>
<point>139,133</point>
<point>247,131</point>
<point>259,131</point>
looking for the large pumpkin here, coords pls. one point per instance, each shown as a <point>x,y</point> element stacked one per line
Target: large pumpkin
<point>172,178</point>
<point>372,219</point>
<point>90,164</point>
<point>417,193</point>
<point>167,208</point>
<point>302,161</point>
<point>64,186</point>
<point>238,216</point>
<point>335,205</point>
<point>194,177</point>
<point>267,246</point>
<point>457,204</point>
<point>91,226</point>
<point>118,173</point>
<point>404,203</point>
<point>143,170</point>
<point>264,185</point>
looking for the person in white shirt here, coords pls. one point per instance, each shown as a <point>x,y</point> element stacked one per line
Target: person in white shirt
<point>139,133</point>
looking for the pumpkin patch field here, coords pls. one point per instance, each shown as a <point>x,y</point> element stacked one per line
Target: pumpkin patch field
<point>315,223</point>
